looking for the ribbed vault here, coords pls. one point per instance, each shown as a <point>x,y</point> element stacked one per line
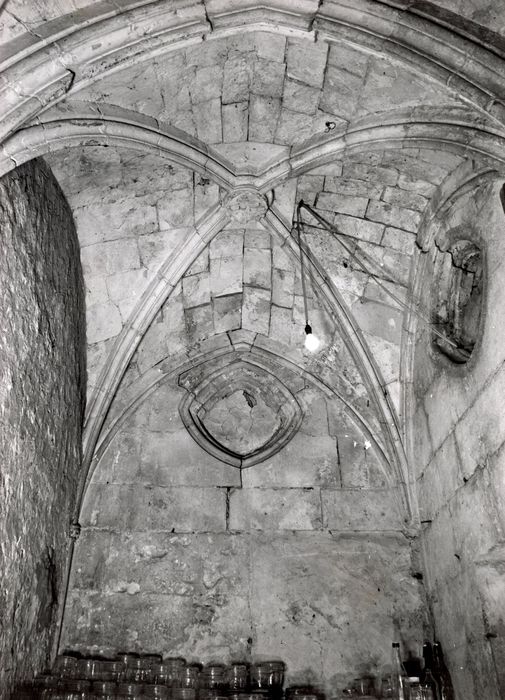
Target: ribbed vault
<point>183,135</point>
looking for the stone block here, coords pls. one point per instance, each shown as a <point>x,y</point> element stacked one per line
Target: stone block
<point>236,77</point>
<point>206,84</point>
<point>481,431</point>
<point>212,52</point>
<point>195,290</point>
<point>227,244</point>
<point>410,183</point>
<point>359,228</point>
<point>442,476</point>
<point>379,319</point>
<point>263,116</point>
<point>311,182</point>
<point>225,275</point>
<point>177,209</point>
<point>121,460</point>
<point>394,216</point>
<point>227,312</point>
<point>207,116</point>
<point>293,127</point>
<point>341,91</point>
<point>300,98</point>
<point>258,267</point>
<point>267,78</point>
<point>442,415</point>
<point>90,559</point>
<point>285,201</point>
<point>110,258</point>
<point>163,409</point>
<point>199,323</point>
<point>306,61</point>
<point>305,462</point>
<point>114,220</point>
<point>275,509</point>
<point>342,204</point>
<point>475,520</point>
<point>173,458</point>
<point>333,169</point>
<point>361,509</point>
<point>352,188</point>
<point>257,239</point>
<point>281,324</point>
<point>270,46</point>
<point>96,290</point>
<point>402,198</point>
<point>256,310</point>
<point>154,247</point>
<point>103,322</point>
<point>422,447</point>
<point>400,240</point>
<point>358,464</point>
<point>283,282</point>
<point>281,258</point>
<point>341,54</point>
<point>437,542</point>
<point>370,173</point>
<point>178,509</point>
<point>235,122</point>
<point>206,196</point>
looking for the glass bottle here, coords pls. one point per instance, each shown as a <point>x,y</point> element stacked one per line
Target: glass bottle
<point>441,674</point>
<point>428,682</point>
<point>398,681</point>
<point>415,691</point>
<point>427,692</point>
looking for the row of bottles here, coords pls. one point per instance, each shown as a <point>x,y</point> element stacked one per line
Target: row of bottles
<point>433,683</point>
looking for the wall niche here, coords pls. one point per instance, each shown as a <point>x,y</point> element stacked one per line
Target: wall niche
<point>457,299</point>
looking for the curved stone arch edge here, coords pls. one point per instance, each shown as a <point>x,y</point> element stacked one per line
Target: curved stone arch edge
<point>89,124</point>
<point>456,186</point>
<point>404,35</point>
<point>167,369</point>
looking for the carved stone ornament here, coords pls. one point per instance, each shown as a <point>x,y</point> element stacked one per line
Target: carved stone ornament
<point>240,413</point>
<point>246,205</point>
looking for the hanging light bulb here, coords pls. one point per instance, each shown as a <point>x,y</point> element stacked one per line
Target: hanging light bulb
<point>312,342</point>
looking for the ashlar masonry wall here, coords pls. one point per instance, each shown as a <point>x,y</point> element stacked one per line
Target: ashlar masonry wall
<point>41,407</point>
<point>459,434</point>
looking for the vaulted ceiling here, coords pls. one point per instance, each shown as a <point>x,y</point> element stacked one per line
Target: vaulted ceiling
<point>184,134</point>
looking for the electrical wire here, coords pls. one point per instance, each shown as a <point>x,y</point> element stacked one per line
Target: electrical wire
<point>336,234</point>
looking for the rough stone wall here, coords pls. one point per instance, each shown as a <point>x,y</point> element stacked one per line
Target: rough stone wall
<point>41,407</point>
<point>459,433</point>
<point>300,557</point>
